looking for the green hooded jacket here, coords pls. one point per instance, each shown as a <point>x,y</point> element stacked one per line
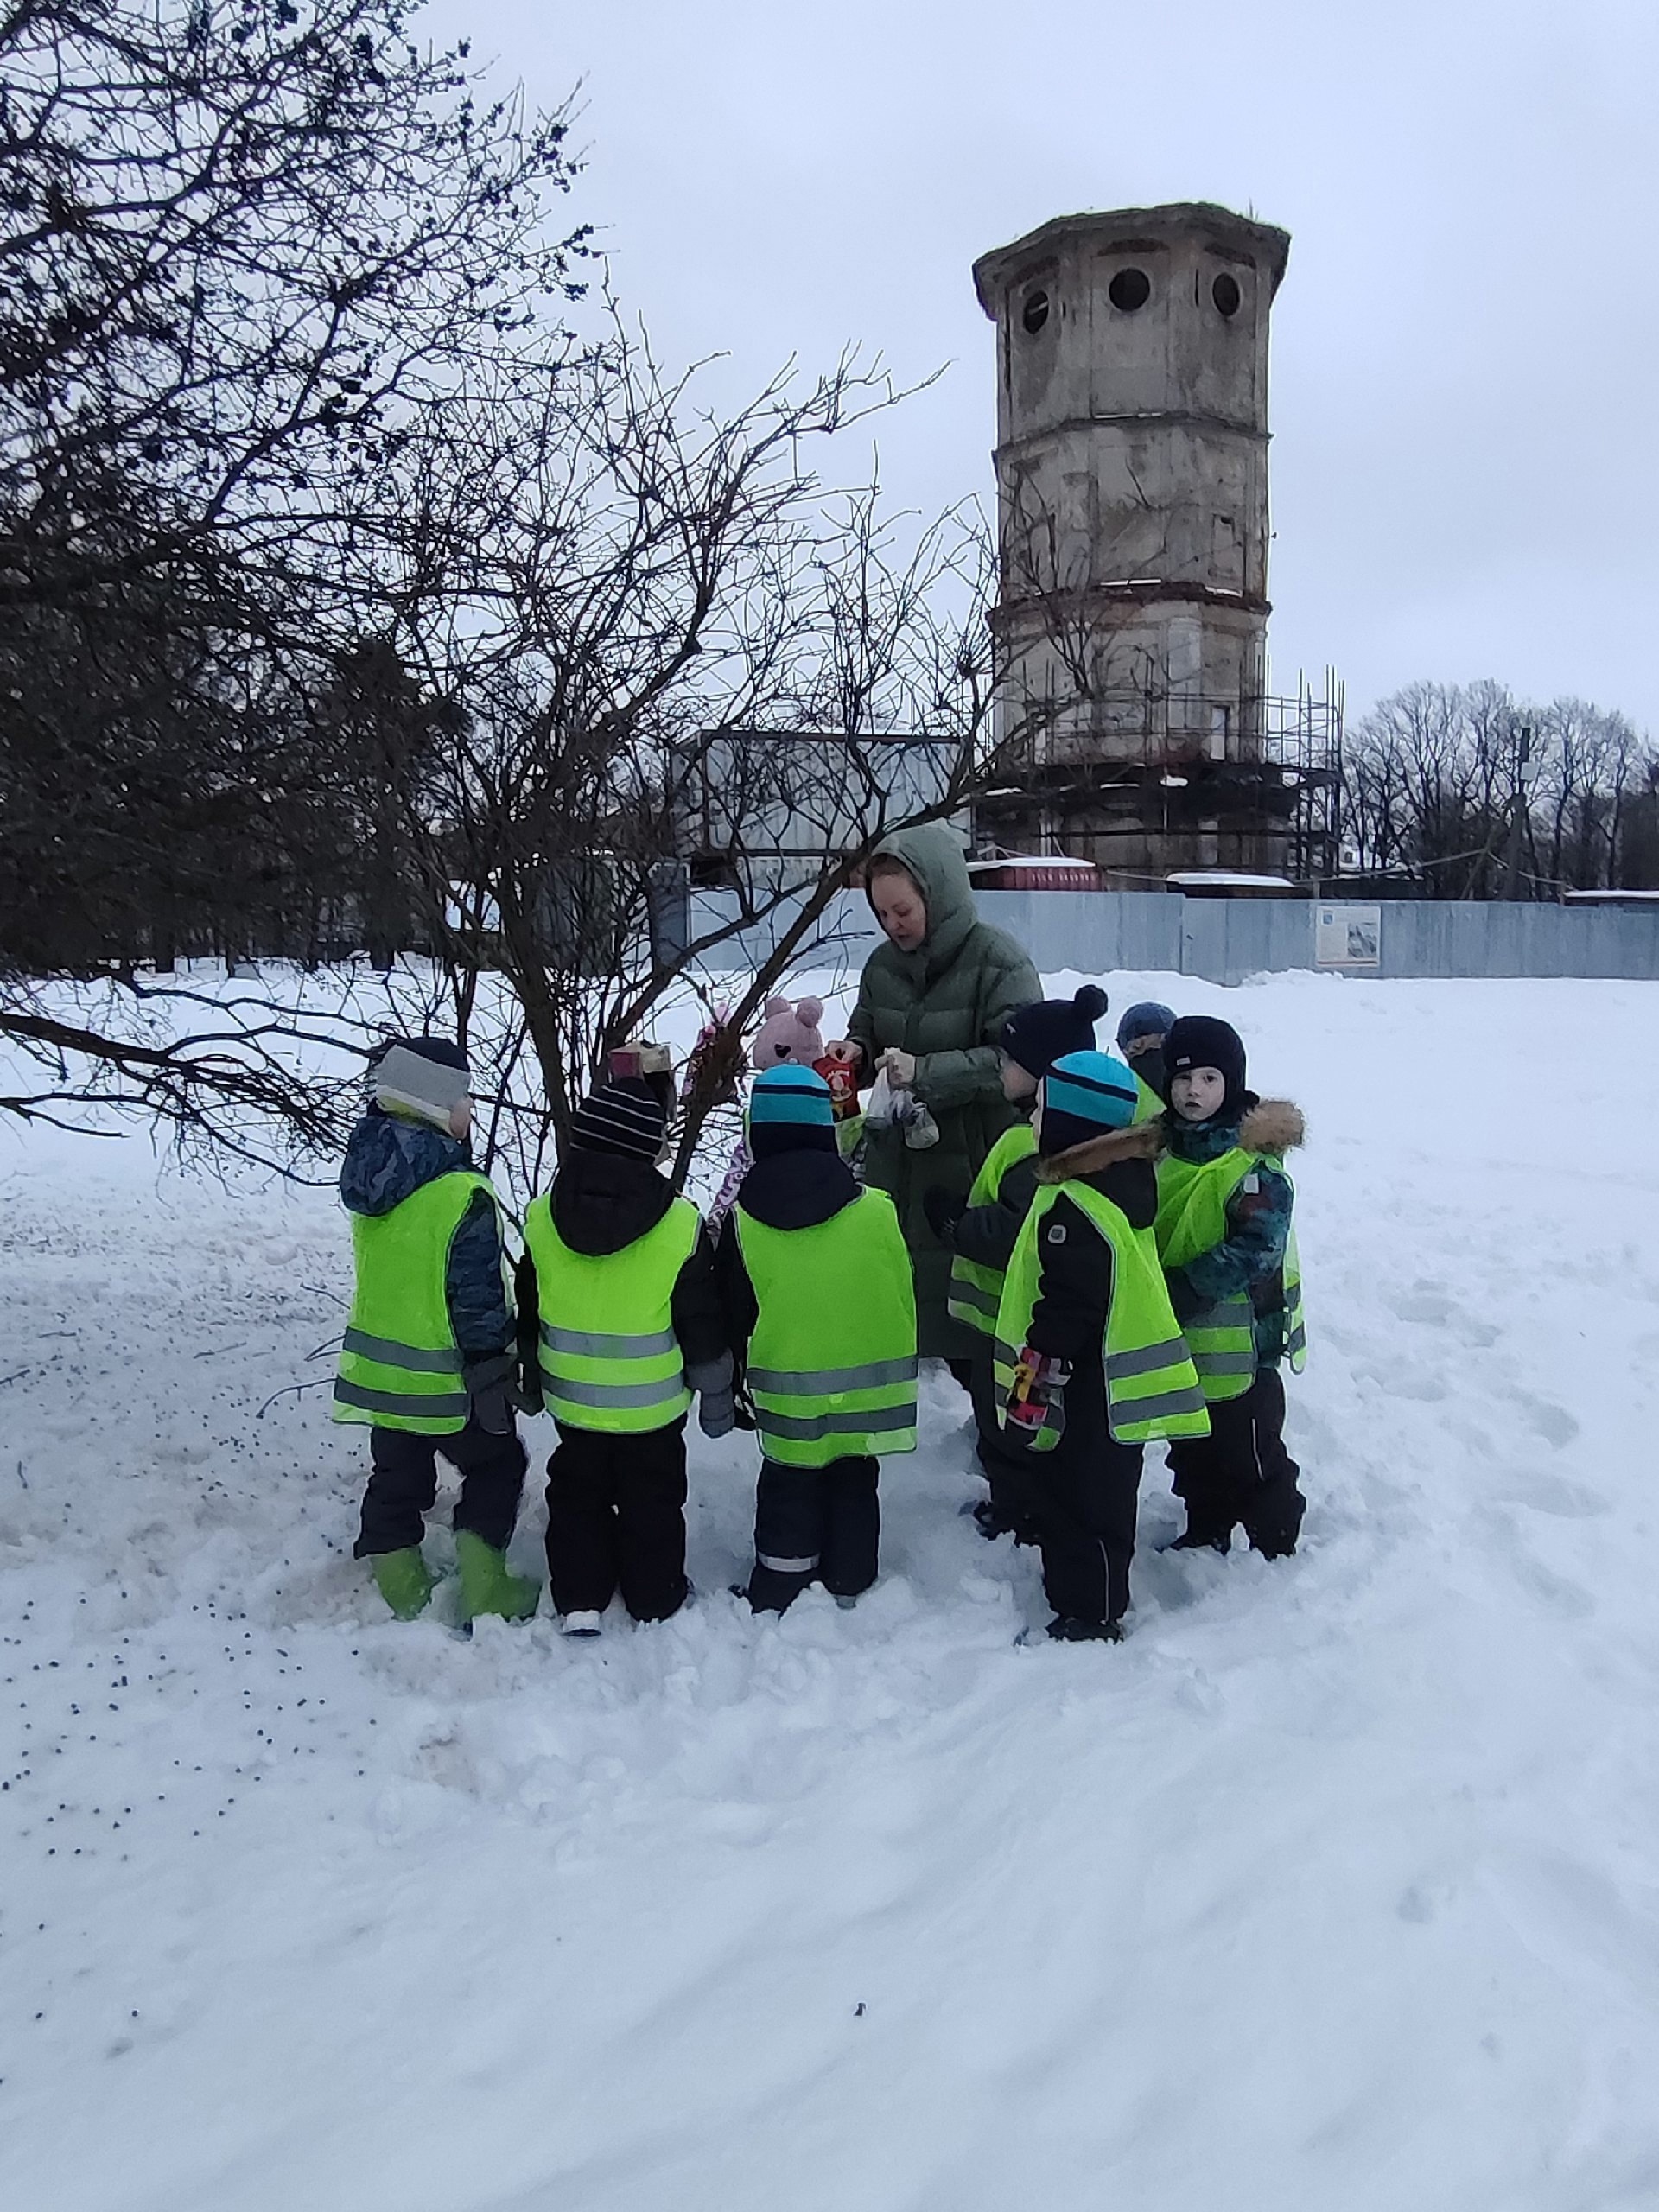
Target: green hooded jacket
<point>945,1002</point>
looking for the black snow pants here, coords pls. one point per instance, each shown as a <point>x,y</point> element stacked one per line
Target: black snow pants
<point>1241,1473</point>
<point>1005,1466</point>
<point>815,1524</point>
<point>616,1520</point>
<point>405,1486</point>
<point>1084,1492</point>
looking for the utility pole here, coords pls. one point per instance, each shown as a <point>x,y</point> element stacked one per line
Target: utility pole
<point>1517,807</point>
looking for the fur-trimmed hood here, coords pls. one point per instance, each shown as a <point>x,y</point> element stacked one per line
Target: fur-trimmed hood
<point>1141,1140</point>
<point>1272,1125</point>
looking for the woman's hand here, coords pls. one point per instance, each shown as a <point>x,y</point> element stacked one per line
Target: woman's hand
<point>899,1067</point>
<point>843,1048</point>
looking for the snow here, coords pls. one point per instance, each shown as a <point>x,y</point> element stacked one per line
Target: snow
<point>1334,1885</point>
<point>1213,879</point>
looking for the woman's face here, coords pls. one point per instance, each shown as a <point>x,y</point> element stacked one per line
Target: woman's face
<point>900,907</point>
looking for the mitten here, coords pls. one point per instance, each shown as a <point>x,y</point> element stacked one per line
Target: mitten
<point>1034,1414</point>
<point>718,1412</point>
<point>489,1387</point>
<point>944,1208</point>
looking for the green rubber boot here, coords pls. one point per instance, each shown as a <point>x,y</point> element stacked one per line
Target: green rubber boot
<point>404,1580</point>
<point>485,1586</point>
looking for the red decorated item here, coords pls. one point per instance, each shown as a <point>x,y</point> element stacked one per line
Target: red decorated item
<point>841,1073</point>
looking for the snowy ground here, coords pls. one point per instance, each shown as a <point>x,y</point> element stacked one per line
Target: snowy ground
<point>1333,1888</point>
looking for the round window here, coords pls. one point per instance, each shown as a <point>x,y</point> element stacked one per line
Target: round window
<point>1226,294</point>
<point>1034,314</point>
<point>1129,290</point>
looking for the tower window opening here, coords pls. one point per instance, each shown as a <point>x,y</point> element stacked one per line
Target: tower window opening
<point>1226,294</point>
<point>1129,290</point>
<point>1034,313</point>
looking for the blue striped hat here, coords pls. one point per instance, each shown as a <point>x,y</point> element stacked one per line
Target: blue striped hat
<point>790,1094</point>
<point>1084,1095</point>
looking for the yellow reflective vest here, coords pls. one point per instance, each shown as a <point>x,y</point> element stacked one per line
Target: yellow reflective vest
<point>609,1357</point>
<point>1152,1389</point>
<point>400,1366</point>
<point>976,1288</point>
<point>1192,1196</point>
<point>831,1364</point>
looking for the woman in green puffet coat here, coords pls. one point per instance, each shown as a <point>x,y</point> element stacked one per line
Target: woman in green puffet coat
<point>931,1002</point>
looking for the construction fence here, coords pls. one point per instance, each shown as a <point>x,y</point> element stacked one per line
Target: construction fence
<point>1225,940</point>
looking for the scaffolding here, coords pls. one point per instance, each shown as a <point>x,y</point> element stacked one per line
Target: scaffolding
<point>1165,771</point>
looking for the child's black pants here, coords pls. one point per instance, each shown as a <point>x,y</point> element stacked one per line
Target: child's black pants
<point>616,1520</point>
<point>815,1524</point>
<point>405,1486</point>
<point>1084,1492</point>
<point>1005,1466</point>
<point>1240,1472</point>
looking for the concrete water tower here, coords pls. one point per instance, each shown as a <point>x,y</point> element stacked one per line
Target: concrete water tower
<point>1132,478</point>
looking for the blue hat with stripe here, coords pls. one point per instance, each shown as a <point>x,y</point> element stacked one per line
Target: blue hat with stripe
<point>790,1110</point>
<point>1085,1095</point>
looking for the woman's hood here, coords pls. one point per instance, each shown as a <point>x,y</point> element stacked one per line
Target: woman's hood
<point>932,852</point>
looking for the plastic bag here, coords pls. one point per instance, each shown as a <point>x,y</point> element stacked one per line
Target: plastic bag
<point>880,1108</point>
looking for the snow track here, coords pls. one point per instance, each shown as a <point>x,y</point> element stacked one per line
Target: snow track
<point>1336,1885</point>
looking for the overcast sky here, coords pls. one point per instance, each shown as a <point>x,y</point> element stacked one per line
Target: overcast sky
<point>1465,471</point>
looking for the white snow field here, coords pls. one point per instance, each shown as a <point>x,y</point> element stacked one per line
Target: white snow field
<point>1336,1886</point>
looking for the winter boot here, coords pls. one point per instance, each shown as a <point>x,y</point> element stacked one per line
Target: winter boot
<point>404,1580</point>
<point>1067,1629</point>
<point>582,1624</point>
<point>1203,1540</point>
<point>485,1586</point>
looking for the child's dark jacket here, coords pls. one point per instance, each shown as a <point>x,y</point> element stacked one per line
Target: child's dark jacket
<point>1074,1288</point>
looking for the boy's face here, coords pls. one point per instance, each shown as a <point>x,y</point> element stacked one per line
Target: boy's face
<point>461,1120</point>
<point>1018,1083</point>
<point>1197,1093</point>
<point>1135,1048</point>
<point>899,908</point>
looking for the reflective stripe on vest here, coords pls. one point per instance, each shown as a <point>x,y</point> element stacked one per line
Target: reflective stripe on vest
<point>832,1360</point>
<point>609,1357</point>
<point>1152,1388</point>
<point>399,1364</point>
<point>1193,1197</point>
<point>976,1288</point>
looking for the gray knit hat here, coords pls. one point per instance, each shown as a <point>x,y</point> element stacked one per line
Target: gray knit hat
<point>427,1077</point>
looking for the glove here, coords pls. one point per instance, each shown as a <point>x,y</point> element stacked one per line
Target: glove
<point>718,1412</point>
<point>1034,1414</point>
<point>489,1386</point>
<point>943,1209</point>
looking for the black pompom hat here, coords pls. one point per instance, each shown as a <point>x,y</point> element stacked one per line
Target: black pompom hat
<point>1037,1035</point>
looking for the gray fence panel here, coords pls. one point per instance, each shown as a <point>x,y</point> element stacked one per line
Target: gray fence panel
<point>1094,932</point>
<point>1225,940</point>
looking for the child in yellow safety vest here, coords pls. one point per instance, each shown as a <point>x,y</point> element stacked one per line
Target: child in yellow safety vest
<point>1091,1365</point>
<point>427,1362</point>
<point>821,1312</point>
<point>1229,1249</point>
<point>979,1229</point>
<point>618,1323</point>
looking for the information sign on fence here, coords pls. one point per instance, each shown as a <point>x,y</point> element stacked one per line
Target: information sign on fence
<point>1347,937</point>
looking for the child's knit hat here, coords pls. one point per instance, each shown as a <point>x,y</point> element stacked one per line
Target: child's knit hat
<point>626,1118</point>
<point>790,1110</point>
<point>1146,1018</point>
<point>1039,1035</point>
<point>1201,1040</point>
<point>1083,1095</point>
<point>427,1077</point>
